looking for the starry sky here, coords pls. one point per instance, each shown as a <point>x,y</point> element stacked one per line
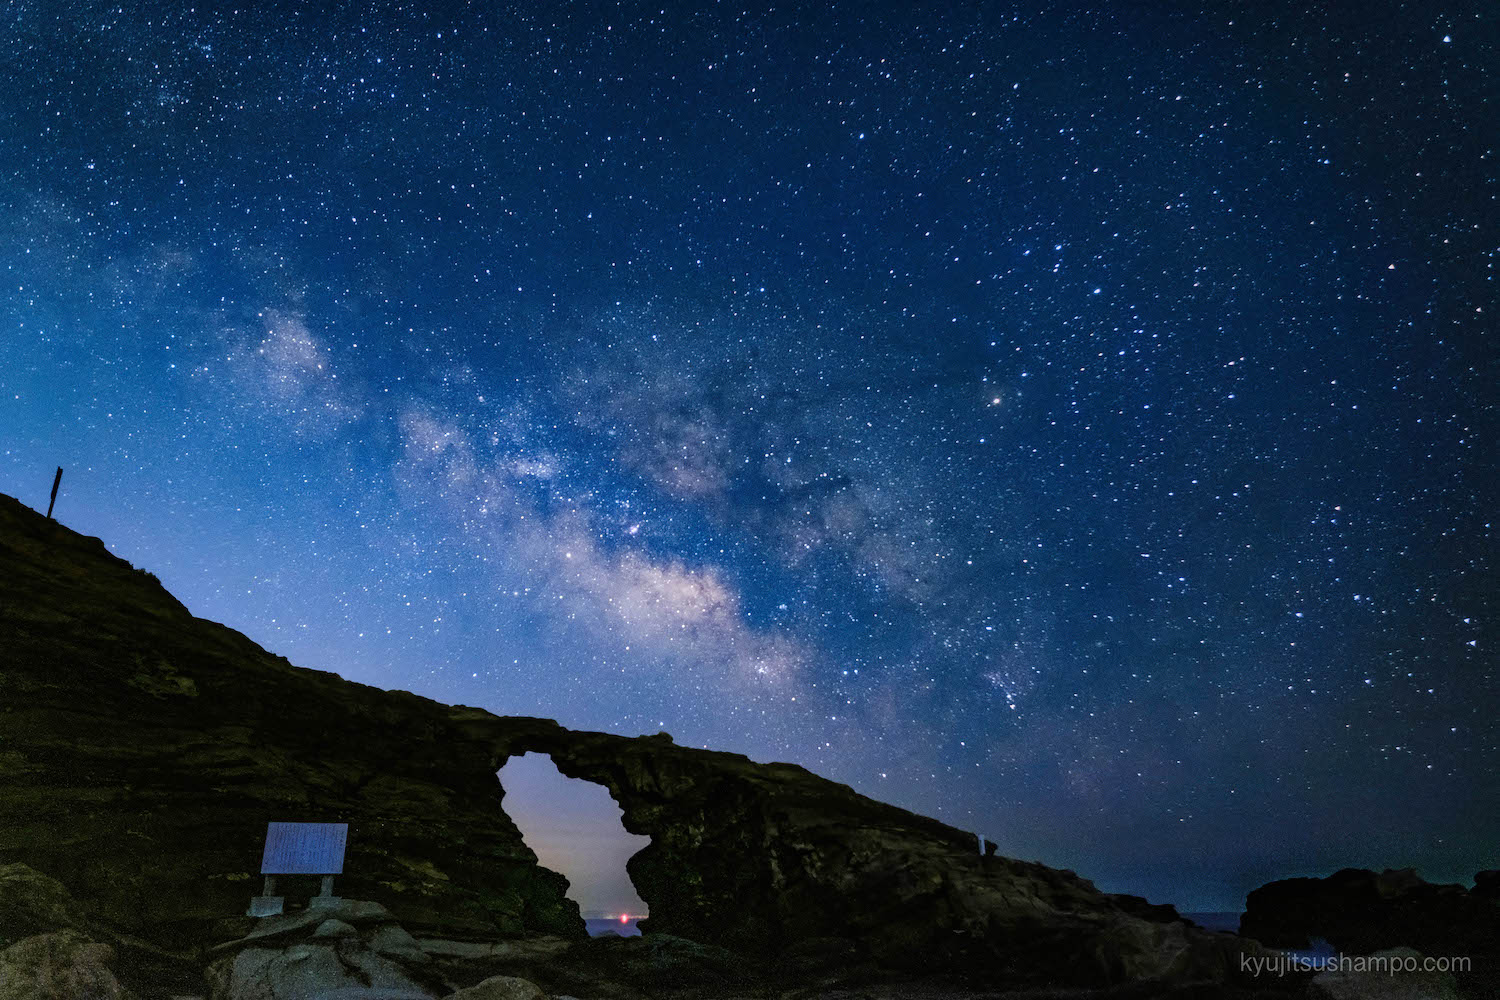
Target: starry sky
<point>1075,424</point>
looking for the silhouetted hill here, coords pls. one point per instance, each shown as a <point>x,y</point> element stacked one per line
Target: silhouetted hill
<point>142,752</point>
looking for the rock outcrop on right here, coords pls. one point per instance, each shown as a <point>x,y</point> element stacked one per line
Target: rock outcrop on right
<point>1360,912</point>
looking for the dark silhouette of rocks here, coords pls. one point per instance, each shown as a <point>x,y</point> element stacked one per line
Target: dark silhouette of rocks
<point>1487,885</point>
<point>1361,912</point>
<point>143,751</point>
<point>1139,906</point>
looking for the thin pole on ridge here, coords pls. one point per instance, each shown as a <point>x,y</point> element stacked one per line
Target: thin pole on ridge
<point>55,481</point>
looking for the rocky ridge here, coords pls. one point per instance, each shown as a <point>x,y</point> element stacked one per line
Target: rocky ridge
<point>142,752</point>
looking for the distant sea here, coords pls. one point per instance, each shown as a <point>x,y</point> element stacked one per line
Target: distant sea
<point>1212,921</point>
<point>627,928</point>
<point>612,925</point>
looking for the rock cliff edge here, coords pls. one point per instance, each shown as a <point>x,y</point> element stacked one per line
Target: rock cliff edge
<point>142,752</point>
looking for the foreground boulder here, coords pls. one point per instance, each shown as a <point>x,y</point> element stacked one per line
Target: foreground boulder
<point>501,988</point>
<point>61,965</point>
<point>465,963</point>
<point>33,903</point>
<point>48,950</point>
<point>1379,982</point>
<point>143,751</point>
<point>344,948</point>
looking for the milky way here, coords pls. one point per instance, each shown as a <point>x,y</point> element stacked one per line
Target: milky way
<point>1078,428</point>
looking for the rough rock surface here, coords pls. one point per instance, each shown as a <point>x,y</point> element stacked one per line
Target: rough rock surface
<point>1384,985</point>
<point>49,947</point>
<point>351,947</point>
<point>501,988</point>
<point>32,903</point>
<point>464,963</point>
<point>61,965</point>
<point>142,752</point>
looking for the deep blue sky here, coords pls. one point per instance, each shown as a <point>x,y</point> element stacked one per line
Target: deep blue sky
<point>1078,426</point>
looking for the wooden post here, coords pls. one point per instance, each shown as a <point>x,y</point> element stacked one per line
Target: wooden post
<point>55,480</point>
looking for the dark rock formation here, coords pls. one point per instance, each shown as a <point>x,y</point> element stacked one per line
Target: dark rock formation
<point>142,752</point>
<point>1486,885</point>
<point>1139,906</point>
<point>759,857</point>
<point>1360,912</point>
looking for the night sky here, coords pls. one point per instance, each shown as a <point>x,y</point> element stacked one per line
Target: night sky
<point>1079,426</point>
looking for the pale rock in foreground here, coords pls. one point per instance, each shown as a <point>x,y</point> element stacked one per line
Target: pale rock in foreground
<point>61,965</point>
<point>501,988</point>
<point>1385,985</point>
<point>352,950</point>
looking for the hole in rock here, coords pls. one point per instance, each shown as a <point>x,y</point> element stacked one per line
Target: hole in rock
<point>574,827</point>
